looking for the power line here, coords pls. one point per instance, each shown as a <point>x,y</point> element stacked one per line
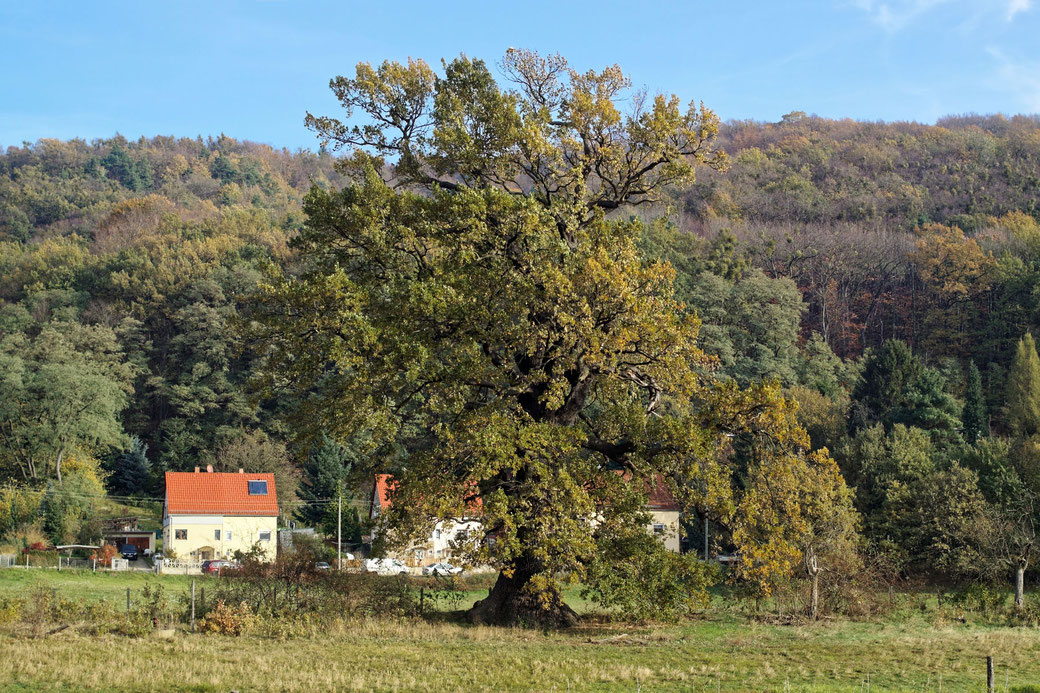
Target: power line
<point>138,499</point>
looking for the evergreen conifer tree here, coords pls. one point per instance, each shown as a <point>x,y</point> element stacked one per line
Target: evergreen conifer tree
<point>1023,389</point>
<point>325,469</point>
<point>882,391</point>
<point>130,471</point>
<point>974,417</point>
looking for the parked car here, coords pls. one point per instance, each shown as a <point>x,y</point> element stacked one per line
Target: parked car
<point>441,569</point>
<point>385,566</point>
<point>217,567</point>
<point>128,551</point>
<point>322,565</point>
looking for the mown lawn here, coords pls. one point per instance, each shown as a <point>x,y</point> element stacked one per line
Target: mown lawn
<point>724,651</point>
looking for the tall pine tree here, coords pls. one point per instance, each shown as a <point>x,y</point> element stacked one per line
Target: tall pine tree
<point>1023,389</point>
<point>130,471</point>
<point>974,417</point>
<point>888,374</point>
<point>325,469</point>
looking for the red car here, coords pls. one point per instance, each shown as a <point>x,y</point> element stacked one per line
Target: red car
<point>217,567</point>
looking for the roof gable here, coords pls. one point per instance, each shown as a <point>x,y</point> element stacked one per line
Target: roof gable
<point>219,493</point>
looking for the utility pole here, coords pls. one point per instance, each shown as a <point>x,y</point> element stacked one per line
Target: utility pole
<point>706,557</point>
<point>339,526</point>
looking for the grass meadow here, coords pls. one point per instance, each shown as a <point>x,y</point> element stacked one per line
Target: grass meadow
<point>723,651</point>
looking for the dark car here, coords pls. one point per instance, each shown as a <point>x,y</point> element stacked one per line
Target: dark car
<point>128,551</point>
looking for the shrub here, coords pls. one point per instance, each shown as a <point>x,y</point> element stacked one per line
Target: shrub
<point>226,620</point>
<point>641,579</point>
<point>155,607</point>
<point>10,609</point>
<point>104,555</point>
<point>36,612</point>
<point>979,598</point>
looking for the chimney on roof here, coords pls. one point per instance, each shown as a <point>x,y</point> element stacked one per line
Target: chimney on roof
<point>196,470</point>
<point>241,471</point>
<point>209,468</point>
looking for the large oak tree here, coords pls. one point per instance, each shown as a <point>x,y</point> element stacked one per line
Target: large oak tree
<point>476,303</point>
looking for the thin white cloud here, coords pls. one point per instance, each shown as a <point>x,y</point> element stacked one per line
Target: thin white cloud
<point>1016,6</point>
<point>1021,78</point>
<point>895,15</point>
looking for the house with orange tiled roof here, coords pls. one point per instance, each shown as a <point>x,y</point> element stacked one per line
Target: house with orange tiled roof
<point>209,515</point>
<point>664,515</point>
<point>436,547</point>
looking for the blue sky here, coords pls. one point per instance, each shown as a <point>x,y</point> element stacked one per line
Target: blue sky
<point>251,69</point>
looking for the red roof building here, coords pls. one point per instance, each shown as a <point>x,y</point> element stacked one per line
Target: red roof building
<point>381,490</point>
<point>221,493</point>
<point>660,497</point>
<point>209,515</point>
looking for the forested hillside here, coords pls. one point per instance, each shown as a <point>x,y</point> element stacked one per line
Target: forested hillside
<point>126,268</point>
<point>122,268</point>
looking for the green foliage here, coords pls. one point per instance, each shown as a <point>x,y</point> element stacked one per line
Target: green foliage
<point>927,405</point>
<point>19,506</point>
<point>882,390</point>
<point>325,476</point>
<point>135,175</point>
<point>638,578</point>
<point>1023,389</point>
<point>921,508</point>
<point>126,266</point>
<point>974,417</point>
<point>61,388</point>
<point>130,472</point>
<point>70,509</point>
<point>750,325</point>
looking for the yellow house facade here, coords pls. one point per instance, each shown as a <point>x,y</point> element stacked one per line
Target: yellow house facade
<point>664,524</point>
<point>209,515</point>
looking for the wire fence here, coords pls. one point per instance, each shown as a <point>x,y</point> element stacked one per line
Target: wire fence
<point>52,561</point>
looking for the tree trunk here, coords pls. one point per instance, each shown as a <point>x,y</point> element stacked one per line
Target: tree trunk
<point>814,596</point>
<point>1020,584</point>
<point>812,569</point>
<point>508,604</point>
<point>57,465</point>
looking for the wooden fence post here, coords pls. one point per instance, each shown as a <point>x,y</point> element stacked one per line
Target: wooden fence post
<point>989,674</point>
<point>127,600</point>
<point>192,606</point>
<point>202,599</point>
